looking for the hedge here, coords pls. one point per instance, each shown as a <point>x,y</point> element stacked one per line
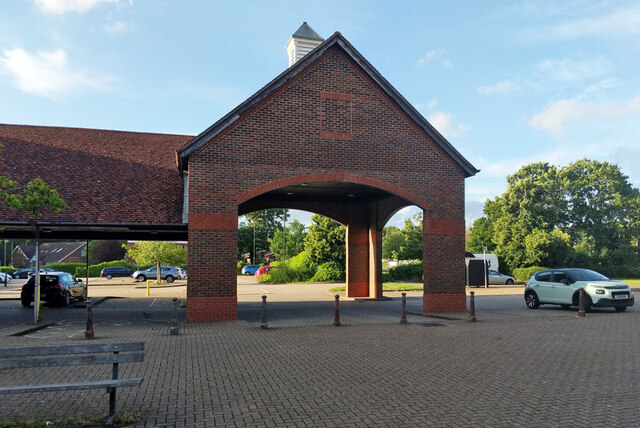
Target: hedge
<point>94,270</point>
<point>523,274</point>
<point>411,272</point>
<point>65,267</point>
<point>8,269</point>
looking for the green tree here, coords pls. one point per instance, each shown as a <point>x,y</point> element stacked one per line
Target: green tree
<point>157,253</point>
<point>106,251</point>
<point>548,249</point>
<point>392,242</point>
<point>412,232</point>
<point>265,224</point>
<point>290,240</point>
<point>325,241</point>
<point>480,235</point>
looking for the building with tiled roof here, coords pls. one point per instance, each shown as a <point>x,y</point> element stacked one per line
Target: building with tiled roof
<point>50,252</point>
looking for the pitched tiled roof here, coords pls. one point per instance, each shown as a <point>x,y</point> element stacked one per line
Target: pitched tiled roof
<point>51,252</point>
<point>103,176</point>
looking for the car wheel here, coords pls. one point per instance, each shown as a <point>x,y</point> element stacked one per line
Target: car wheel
<point>141,278</point>
<point>532,300</point>
<point>109,276</point>
<point>587,303</point>
<point>621,308</point>
<point>510,282</point>
<point>247,273</point>
<point>66,299</point>
<point>26,301</point>
<point>169,279</point>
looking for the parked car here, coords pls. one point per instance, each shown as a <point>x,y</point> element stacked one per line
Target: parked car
<point>167,273</point>
<point>55,287</point>
<point>111,271</point>
<point>498,278</point>
<point>182,273</point>
<point>25,273</point>
<point>561,287</point>
<point>263,270</point>
<point>250,269</point>
<point>5,277</point>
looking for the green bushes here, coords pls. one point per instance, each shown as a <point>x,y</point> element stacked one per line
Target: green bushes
<point>296,269</point>
<point>66,267</point>
<point>411,272</point>
<point>329,272</point>
<point>8,269</point>
<point>94,270</point>
<point>523,274</point>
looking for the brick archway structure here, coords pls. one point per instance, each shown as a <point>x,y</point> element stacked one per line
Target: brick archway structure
<point>329,135</point>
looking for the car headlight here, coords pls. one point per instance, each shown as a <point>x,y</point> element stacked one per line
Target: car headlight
<point>599,291</point>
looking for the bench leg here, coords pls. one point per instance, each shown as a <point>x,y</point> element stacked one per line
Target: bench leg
<point>112,406</point>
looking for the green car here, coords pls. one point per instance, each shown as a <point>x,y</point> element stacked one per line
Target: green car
<point>561,287</point>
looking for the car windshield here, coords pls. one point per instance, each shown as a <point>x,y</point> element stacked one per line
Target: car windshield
<point>587,275</point>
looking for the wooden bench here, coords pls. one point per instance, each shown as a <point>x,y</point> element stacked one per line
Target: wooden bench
<point>73,355</point>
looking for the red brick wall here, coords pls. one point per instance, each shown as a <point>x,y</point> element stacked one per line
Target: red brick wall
<point>329,121</point>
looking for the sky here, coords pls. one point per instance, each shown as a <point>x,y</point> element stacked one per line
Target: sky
<point>507,83</point>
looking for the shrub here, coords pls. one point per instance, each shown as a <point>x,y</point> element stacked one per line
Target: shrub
<point>66,267</point>
<point>239,266</point>
<point>329,272</point>
<point>411,272</point>
<point>8,269</point>
<point>94,270</point>
<point>296,269</point>
<point>523,274</point>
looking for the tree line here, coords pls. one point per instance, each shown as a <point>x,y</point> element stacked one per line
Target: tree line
<point>586,214</point>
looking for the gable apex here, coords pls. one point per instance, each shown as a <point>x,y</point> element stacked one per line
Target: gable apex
<point>336,40</point>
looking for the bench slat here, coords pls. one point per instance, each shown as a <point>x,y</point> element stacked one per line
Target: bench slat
<point>116,383</point>
<point>71,349</point>
<point>71,360</point>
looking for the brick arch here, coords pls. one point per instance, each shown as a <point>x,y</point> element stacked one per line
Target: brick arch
<point>341,176</point>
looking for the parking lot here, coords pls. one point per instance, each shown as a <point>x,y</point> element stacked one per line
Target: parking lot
<point>514,367</point>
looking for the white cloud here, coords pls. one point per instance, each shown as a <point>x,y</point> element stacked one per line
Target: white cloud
<point>46,73</point>
<point>504,87</point>
<point>64,6</point>
<point>432,103</point>
<point>443,122</point>
<point>571,70</point>
<point>555,115</point>
<point>620,23</point>
<point>429,56</point>
<point>117,28</point>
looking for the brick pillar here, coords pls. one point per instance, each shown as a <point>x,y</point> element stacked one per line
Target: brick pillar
<point>212,282</point>
<point>443,262</point>
<point>357,254</point>
<point>363,252</point>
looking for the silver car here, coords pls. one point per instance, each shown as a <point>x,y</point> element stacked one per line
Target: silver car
<point>167,273</point>
<point>497,278</point>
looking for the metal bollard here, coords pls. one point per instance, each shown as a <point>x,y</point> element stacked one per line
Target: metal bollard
<point>403,309</point>
<point>263,323</point>
<point>336,311</point>
<point>581,302</point>
<point>472,308</point>
<point>175,327</point>
<point>88,333</point>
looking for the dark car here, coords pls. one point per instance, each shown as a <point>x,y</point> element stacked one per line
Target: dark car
<point>111,271</point>
<point>55,287</point>
<point>26,273</point>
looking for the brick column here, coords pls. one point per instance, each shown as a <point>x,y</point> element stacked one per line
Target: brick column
<point>443,262</point>
<point>363,252</point>
<point>212,282</point>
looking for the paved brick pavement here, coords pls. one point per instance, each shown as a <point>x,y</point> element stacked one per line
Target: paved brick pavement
<point>514,367</point>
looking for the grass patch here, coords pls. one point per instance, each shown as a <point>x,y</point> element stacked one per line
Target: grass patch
<point>121,419</point>
<point>388,286</point>
<point>634,281</point>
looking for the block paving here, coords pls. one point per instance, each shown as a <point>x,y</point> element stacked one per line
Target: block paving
<point>520,368</point>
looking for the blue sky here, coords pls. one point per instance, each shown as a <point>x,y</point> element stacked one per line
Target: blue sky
<point>508,83</point>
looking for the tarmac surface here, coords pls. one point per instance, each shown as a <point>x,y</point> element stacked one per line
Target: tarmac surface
<point>513,367</point>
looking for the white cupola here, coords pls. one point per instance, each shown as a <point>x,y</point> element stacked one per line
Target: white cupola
<point>302,42</point>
